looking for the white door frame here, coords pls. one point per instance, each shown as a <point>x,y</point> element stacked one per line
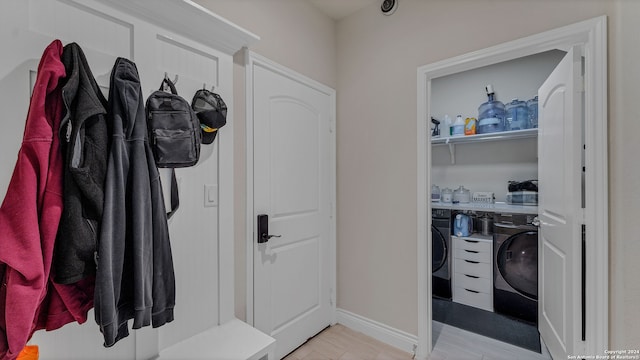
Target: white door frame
<point>592,35</point>
<point>252,59</point>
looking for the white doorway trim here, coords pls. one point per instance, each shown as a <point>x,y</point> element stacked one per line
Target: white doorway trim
<point>252,59</point>
<point>592,35</point>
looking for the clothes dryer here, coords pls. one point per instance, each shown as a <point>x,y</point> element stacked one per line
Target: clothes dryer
<point>441,252</point>
<point>515,286</point>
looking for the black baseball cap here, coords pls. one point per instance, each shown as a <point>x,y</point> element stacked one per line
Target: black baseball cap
<point>212,113</point>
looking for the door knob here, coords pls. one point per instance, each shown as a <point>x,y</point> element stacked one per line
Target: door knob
<point>265,237</point>
<point>263,229</point>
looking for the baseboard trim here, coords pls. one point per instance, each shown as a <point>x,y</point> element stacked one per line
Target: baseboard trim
<point>388,335</point>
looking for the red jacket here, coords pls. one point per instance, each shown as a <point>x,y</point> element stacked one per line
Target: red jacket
<point>29,218</point>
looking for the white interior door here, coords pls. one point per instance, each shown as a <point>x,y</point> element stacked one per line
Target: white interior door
<point>560,208</point>
<point>292,186</point>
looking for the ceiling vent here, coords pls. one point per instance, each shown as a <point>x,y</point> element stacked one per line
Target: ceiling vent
<point>388,7</point>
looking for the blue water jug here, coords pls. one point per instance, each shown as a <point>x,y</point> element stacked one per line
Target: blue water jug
<point>532,105</point>
<point>491,114</point>
<point>462,225</point>
<point>517,115</point>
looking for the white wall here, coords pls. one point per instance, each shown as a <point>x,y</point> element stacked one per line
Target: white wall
<point>488,166</point>
<point>372,64</point>
<point>624,201</point>
<point>485,166</point>
<point>294,34</point>
<point>462,93</point>
<point>377,60</point>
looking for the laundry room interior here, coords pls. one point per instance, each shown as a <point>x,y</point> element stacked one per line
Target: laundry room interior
<point>342,197</point>
<point>484,198</point>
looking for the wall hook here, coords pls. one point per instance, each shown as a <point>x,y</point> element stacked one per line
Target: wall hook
<point>165,86</point>
<point>175,80</point>
<point>204,87</point>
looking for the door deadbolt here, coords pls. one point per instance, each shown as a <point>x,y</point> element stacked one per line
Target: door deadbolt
<point>263,229</point>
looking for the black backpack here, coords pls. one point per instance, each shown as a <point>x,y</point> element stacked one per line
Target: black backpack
<point>174,129</point>
<point>174,134</point>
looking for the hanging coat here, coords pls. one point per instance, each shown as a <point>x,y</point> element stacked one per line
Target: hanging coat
<point>134,278</point>
<point>31,209</point>
<point>84,138</point>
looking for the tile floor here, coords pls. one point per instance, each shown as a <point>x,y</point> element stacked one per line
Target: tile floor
<point>341,343</point>
<point>451,343</point>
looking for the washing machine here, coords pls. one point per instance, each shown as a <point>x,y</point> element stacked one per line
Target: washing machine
<point>441,253</point>
<point>515,272</point>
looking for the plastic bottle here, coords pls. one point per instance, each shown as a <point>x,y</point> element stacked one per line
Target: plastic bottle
<point>458,127</point>
<point>446,128</point>
<point>532,105</point>
<point>435,193</point>
<point>470,126</point>
<point>517,117</point>
<point>446,196</point>
<point>490,114</point>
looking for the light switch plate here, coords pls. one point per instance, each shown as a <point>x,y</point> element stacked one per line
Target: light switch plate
<point>210,195</point>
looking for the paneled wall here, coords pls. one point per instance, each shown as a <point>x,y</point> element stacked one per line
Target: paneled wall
<point>202,229</point>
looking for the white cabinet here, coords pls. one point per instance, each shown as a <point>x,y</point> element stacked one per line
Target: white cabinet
<point>473,271</point>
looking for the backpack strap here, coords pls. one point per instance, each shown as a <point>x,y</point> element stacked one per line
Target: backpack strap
<point>175,198</point>
<point>170,84</point>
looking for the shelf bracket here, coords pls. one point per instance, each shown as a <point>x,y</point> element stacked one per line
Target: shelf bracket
<point>452,152</point>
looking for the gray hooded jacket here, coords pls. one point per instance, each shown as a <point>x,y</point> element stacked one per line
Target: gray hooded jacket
<point>135,278</point>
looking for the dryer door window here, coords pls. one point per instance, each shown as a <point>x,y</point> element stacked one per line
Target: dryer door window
<point>439,249</point>
<point>518,263</point>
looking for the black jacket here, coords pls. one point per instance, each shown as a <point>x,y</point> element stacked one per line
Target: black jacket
<point>84,142</point>
<point>135,278</point>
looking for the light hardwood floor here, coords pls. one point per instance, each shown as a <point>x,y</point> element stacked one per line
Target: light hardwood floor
<point>341,343</point>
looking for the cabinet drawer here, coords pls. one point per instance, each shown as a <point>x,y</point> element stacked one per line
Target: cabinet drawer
<point>472,282</point>
<point>474,255</point>
<point>471,267</point>
<point>476,299</point>
<point>473,245</point>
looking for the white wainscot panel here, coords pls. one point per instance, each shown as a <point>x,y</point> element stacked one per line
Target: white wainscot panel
<point>195,67</point>
<point>82,342</point>
<point>194,235</point>
<point>72,21</point>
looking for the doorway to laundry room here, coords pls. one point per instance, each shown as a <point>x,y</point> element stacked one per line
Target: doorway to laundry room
<point>484,190</point>
<point>501,181</point>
